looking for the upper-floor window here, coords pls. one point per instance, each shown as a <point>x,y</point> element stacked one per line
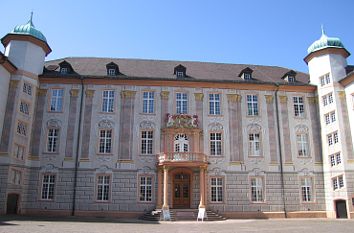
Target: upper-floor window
<point>215,144</point>
<point>306,189</point>
<point>325,79</point>
<point>179,74</point>
<point>112,69</point>
<point>335,159</point>
<point>302,145</point>
<point>148,101</point>
<point>64,70</point>
<point>217,189</point>
<point>19,151</point>
<point>107,101</point>
<point>16,176</point>
<point>214,104</point>
<point>56,100</point>
<point>27,88</point>
<point>181,103</point>
<point>257,189</point>
<point>146,142</point>
<point>111,72</point>
<point>327,99</point>
<point>246,74</point>
<point>254,144</point>
<point>105,141</point>
<point>24,108</point>
<point>291,79</point>
<point>145,190</point>
<point>53,140</point>
<point>48,183</point>
<point>338,182</point>
<point>252,105</point>
<point>180,71</point>
<point>330,117</point>
<point>299,106</point>
<point>332,138</point>
<point>22,128</point>
<point>103,187</point>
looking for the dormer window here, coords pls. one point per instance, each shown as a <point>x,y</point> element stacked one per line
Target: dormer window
<point>246,74</point>
<point>65,67</point>
<point>112,69</point>
<point>180,71</point>
<point>290,76</point>
<point>291,79</point>
<point>64,70</point>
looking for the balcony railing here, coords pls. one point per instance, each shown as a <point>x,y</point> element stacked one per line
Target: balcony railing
<point>182,157</point>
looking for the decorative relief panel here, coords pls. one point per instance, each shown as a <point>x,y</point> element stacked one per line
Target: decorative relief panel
<point>301,129</point>
<point>49,168</point>
<point>147,125</point>
<point>54,123</point>
<point>215,127</point>
<point>106,124</point>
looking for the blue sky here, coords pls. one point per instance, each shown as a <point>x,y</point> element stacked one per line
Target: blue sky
<point>271,32</point>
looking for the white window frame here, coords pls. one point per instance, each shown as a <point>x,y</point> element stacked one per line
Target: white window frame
<point>148,102</point>
<point>145,188</point>
<point>335,159</point>
<point>22,128</point>
<point>53,140</point>
<point>181,103</point>
<point>247,76</point>
<point>103,188</point>
<point>179,74</point>
<point>257,189</point>
<point>147,142</point>
<point>252,105</point>
<point>56,100</point>
<point>214,103</point>
<point>254,144</point>
<point>27,88</point>
<point>107,100</point>
<point>325,79</point>
<point>332,138</point>
<point>306,189</point>
<point>338,182</point>
<point>48,186</point>
<point>111,72</point>
<point>302,142</point>
<point>64,70</point>
<point>216,189</point>
<point>105,141</point>
<point>299,108</point>
<point>215,143</point>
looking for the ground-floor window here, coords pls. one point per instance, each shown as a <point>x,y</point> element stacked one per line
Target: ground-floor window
<point>103,187</point>
<point>145,188</point>
<point>306,189</point>
<point>257,189</point>
<point>217,189</point>
<point>48,183</point>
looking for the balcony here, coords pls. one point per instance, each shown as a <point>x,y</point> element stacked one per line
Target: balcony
<point>191,159</point>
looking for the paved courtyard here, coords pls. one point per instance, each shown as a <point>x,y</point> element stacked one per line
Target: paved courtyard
<point>77,225</point>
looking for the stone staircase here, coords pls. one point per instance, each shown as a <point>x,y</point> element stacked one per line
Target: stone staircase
<point>182,215</point>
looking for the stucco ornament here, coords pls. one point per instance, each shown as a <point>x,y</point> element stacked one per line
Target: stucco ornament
<point>181,121</point>
<point>147,125</point>
<point>105,124</point>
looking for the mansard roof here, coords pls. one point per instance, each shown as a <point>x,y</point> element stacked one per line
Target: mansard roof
<point>163,69</point>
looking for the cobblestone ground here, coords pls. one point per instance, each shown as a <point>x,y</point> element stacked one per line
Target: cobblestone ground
<point>79,225</point>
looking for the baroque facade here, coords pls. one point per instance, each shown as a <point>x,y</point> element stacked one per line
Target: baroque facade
<point>119,137</point>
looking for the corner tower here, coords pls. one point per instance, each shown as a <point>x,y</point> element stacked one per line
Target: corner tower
<point>327,65</point>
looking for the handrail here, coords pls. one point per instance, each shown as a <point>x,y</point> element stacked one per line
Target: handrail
<point>181,157</point>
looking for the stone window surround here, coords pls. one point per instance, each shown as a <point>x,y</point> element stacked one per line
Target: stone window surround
<point>109,185</point>
<point>50,100</point>
<point>337,179</point>
<point>153,99</point>
<point>312,189</point>
<point>152,187</point>
<point>301,115</point>
<point>105,141</point>
<point>141,142</point>
<point>263,188</point>
<point>105,125</point>
<point>27,88</point>
<point>57,140</point>
<point>23,128</point>
<point>255,129</point>
<point>102,101</point>
<point>40,187</point>
<point>28,107</point>
<point>175,100</point>
<point>220,104</point>
<point>221,142</point>
<point>335,159</point>
<point>16,149</point>
<point>258,105</point>
<point>223,189</point>
<point>12,177</point>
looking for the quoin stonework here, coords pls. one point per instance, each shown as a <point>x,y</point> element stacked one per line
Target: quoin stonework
<point>120,137</point>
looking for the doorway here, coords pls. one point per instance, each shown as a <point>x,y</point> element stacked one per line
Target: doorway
<point>341,209</point>
<point>12,203</point>
<point>181,191</point>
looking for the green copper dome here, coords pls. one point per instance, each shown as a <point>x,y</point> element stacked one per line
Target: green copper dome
<point>325,42</point>
<point>29,29</point>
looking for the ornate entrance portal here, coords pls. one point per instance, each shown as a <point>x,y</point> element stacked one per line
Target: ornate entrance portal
<point>181,191</point>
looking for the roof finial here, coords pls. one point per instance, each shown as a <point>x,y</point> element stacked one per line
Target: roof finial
<point>30,21</point>
<point>323,32</point>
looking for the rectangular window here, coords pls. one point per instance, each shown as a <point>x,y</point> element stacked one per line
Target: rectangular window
<point>252,105</point>
<point>145,188</point>
<point>146,142</point>
<point>299,106</point>
<point>105,141</point>
<point>338,182</point>
<point>335,159</point>
<point>257,189</point>
<point>333,116</point>
<point>335,137</point>
<point>103,186</point>
<point>215,144</point>
<point>56,101</point>
<point>306,189</point>
<point>181,103</point>
<point>330,98</point>
<point>327,99</point>
<point>27,88</point>
<point>214,104</point>
<point>111,72</point>
<point>302,145</point>
<point>22,128</point>
<point>148,102</point>
<point>332,160</point>
<point>48,183</point>
<point>216,189</point>
<point>107,101</point>
<point>53,138</point>
<point>16,177</point>
<point>19,151</point>
<point>327,119</point>
<point>254,144</point>
<point>332,138</point>
<point>24,108</point>
<point>64,70</point>
<point>325,79</point>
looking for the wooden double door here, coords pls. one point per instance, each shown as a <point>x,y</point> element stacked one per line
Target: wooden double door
<point>181,191</point>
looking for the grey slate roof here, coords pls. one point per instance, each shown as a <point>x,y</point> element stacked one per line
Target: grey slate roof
<point>161,69</point>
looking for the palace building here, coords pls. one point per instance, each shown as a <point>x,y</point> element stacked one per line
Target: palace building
<point>120,137</point>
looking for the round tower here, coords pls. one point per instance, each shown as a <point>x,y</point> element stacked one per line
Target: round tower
<point>26,47</point>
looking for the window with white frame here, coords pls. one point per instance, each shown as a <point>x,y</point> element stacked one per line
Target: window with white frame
<point>145,188</point>
<point>327,99</point>
<point>147,142</point>
<point>335,159</point>
<point>148,101</point>
<point>306,189</point>
<point>48,183</point>
<point>22,128</point>
<point>325,79</point>
<point>103,187</point>
<point>107,101</point>
<point>105,141</point>
<point>252,105</point>
<point>16,177</point>
<point>299,106</point>
<point>111,72</point>
<point>181,103</point>
<point>27,88</point>
<point>302,145</point>
<point>330,117</point>
<point>337,182</point>
<point>64,70</point>
<point>179,74</point>
<point>53,140</point>
<point>217,189</point>
<point>332,138</point>
<point>247,76</point>
<point>56,100</point>
<point>24,108</point>
<point>215,144</point>
<point>257,189</point>
<point>19,151</point>
<point>254,144</point>
<point>214,104</point>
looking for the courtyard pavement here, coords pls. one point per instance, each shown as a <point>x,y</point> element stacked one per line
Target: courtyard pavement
<point>20,224</point>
